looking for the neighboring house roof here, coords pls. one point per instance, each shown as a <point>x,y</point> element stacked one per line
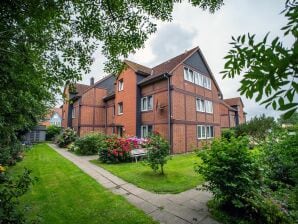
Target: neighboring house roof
<point>80,88</point>
<point>234,101</point>
<point>138,68</point>
<point>228,106</point>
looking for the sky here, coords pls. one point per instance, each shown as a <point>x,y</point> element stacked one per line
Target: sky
<point>193,27</point>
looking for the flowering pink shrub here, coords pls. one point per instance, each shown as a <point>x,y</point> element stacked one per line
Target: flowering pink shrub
<point>116,149</point>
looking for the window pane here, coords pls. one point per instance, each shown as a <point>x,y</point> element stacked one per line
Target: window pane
<point>196,78</point>
<point>144,103</point>
<point>204,81</point>
<point>207,131</point>
<point>191,78</point>
<point>211,132</point>
<point>150,102</point>
<point>149,129</point>
<point>200,80</point>
<point>185,74</point>
<point>203,131</point>
<point>199,131</point>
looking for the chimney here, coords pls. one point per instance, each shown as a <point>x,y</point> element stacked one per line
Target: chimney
<point>91,81</point>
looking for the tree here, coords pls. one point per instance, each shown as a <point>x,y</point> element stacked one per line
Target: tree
<point>291,120</point>
<point>47,44</point>
<point>270,70</point>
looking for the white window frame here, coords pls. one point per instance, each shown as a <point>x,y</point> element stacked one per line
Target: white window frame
<point>120,85</point>
<point>207,131</point>
<point>73,112</point>
<point>120,106</point>
<point>202,131</point>
<point>147,103</point>
<point>208,107</point>
<point>145,130</point>
<point>200,105</point>
<point>208,83</point>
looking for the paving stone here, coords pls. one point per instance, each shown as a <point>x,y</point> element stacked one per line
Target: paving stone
<point>190,215</point>
<point>186,207</point>
<point>209,220</point>
<point>167,218</point>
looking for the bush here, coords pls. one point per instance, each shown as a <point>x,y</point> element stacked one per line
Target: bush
<point>10,190</point>
<point>52,132</point>
<point>227,133</point>
<point>10,154</point>
<point>67,136</point>
<point>158,150</point>
<point>257,128</point>
<point>89,144</point>
<point>115,150</point>
<point>235,177</point>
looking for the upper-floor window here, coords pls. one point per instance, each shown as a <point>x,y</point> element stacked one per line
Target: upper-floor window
<point>120,108</point>
<point>200,104</point>
<point>209,106</point>
<point>73,113</point>
<point>146,103</point>
<point>197,78</point>
<point>120,85</point>
<point>205,132</point>
<point>146,130</point>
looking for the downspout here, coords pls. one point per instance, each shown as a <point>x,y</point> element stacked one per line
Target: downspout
<point>166,75</point>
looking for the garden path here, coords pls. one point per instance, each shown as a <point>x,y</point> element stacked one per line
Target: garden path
<point>183,208</point>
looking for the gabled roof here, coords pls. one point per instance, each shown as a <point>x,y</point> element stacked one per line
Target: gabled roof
<point>228,106</point>
<point>234,101</point>
<point>168,66</point>
<point>80,88</point>
<point>172,63</point>
<point>138,68</point>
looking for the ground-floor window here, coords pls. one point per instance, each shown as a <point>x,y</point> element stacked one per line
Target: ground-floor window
<point>205,131</point>
<point>120,131</point>
<point>146,130</point>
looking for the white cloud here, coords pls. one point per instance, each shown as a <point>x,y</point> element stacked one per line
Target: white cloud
<point>212,32</point>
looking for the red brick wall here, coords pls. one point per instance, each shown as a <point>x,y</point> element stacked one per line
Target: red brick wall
<point>184,114</point>
<point>128,96</point>
<point>65,108</point>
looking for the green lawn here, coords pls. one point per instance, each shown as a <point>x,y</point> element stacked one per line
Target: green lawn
<point>64,194</point>
<point>179,174</point>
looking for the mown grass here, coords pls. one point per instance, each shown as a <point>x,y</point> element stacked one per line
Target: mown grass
<point>179,174</point>
<point>65,194</point>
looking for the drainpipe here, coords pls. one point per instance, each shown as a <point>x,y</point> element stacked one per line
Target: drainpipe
<point>166,75</point>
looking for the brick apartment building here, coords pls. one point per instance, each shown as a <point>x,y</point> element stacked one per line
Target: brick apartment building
<point>179,98</point>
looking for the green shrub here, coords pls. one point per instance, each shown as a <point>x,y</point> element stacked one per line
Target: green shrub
<point>227,133</point>
<point>89,144</point>
<point>234,175</point>
<point>10,154</point>
<point>158,150</point>
<point>257,128</point>
<point>52,132</point>
<point>67,136</point>
<point>10,191</point>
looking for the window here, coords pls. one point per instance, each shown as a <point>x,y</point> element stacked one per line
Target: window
<point>146,103</point>
<point>120,131</point>
<point>120,85</point>
<point>205,132</point>
<point>201,132</point>
<point>200,105</point>
<point>209,106</point>
<point>209,131</point>
<point>73,113</point>
<point>120,108</point>
<point>197,78</point>
<point>188,75</point>
<point>146,130</point>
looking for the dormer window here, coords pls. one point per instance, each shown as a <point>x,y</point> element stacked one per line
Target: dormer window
<point>120,85</point>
